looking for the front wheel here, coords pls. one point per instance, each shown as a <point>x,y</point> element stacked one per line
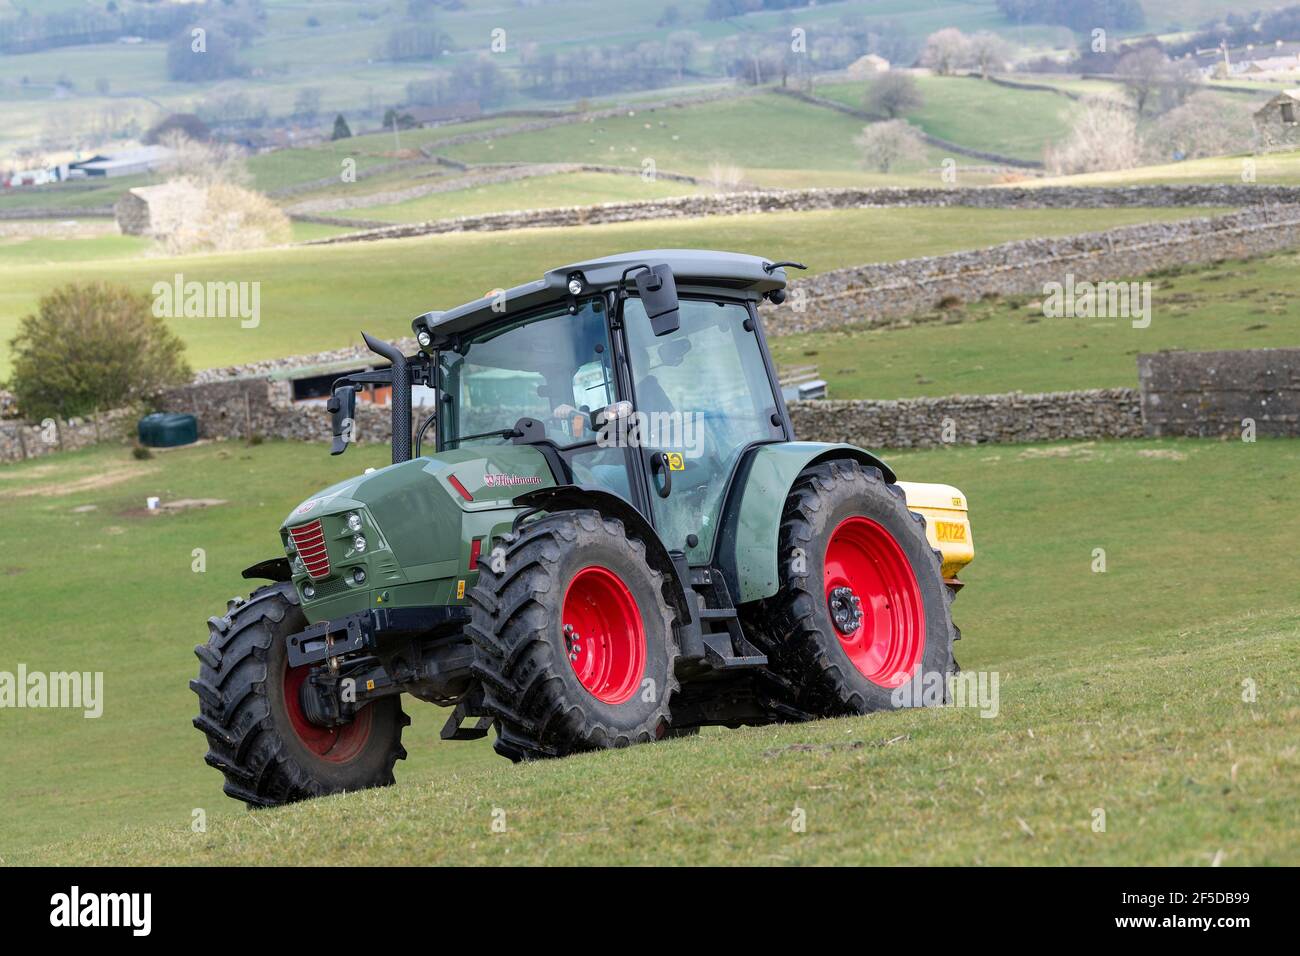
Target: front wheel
<point>251,712</point>
<point>861,621</point>
<point>574,639</point>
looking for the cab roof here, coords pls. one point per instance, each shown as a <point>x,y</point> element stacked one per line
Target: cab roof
<point>695,270</point>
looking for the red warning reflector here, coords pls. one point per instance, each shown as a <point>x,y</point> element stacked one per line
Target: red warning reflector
<point>455,483</point>
<point>475,549</point>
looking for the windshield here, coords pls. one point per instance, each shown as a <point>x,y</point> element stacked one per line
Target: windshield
<point>554,368</point>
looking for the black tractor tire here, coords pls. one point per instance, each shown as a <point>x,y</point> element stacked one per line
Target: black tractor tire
<point>244,712</point>
<point>795,627</point>
<point>538,703</point>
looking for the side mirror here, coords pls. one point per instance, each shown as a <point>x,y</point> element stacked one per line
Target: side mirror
<point>343,409</point>
<point>658,290</point>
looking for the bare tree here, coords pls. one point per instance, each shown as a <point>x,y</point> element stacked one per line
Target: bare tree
<point>726,177</point>
<point>946,50</point>
<point>989,52</point>
<point>680,49</point>
<point>1207,124</point>
<point>224,217</point>
<point>1104,137</point>
<point>888,144</point>
<point>1144,72</point>
<point>892,94</point>
<point>205,163</point>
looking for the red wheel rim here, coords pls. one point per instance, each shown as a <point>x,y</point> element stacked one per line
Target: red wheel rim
<point>886,638</point>
<point>604,638</point>
<point>334,744</point>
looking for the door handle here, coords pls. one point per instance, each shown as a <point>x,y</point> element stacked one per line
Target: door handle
<point>659,468</point>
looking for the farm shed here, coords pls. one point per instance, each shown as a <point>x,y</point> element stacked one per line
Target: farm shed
<point>1277,122</point>
<point>156,211</point>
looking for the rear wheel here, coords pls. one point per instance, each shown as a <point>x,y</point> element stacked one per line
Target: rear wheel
<point>574,640</point>
<point>251,712</point>
<point>861,621</point>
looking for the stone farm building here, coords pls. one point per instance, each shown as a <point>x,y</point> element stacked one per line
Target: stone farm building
<point>1277,122</point>
<point>156,211</point>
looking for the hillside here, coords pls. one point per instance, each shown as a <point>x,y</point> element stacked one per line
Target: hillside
<point>1116,691</point>
<point>957,109</point>
<point>315,298</point>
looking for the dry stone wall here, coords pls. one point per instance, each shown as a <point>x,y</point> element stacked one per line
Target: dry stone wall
<point>20,440</point>
<point>753,202</point>
<point>881,294</point>
<point>972,419</point>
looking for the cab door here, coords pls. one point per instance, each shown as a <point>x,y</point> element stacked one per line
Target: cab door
<point>701,396</point>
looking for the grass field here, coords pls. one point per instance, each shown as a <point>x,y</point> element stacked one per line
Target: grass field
<point>1117,691</point>
<point>1275,168</point>
<point>44,241</point>
<point>958,109</point>
<point>755,133</point>
<point>1004,345</point>
<point>537,192</point>
<point>317,297</point>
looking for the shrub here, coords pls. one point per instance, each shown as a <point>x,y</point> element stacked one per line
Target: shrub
<point>91,347</point>
<point>889,144</point>
<point>1103,137</point>
<point>227,218</point>
<point>726,177</point>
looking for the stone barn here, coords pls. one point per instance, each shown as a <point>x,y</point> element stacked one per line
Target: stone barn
<point>157,211</point>
<point>1277,122</point>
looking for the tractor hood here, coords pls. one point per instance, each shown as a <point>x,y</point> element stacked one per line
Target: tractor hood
<point>404,525</point>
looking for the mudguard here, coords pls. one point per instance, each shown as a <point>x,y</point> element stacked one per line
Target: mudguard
<point>747,551</point>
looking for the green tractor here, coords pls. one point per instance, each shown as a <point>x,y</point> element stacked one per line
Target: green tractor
<point>616,539</point>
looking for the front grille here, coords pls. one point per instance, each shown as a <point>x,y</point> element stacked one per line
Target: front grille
<point>309,539</point>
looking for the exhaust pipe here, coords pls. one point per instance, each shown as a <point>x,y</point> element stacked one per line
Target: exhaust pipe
<point>401,402</point>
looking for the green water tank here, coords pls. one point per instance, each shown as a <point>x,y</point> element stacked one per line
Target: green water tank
<point>168,429</point>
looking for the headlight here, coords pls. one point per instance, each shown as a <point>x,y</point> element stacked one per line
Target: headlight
<point>359,543</point>
<point>424,338</point>
<point>354,522</point>
<point>358,575</point>
<point>309,592</point>
<point>298,566</point>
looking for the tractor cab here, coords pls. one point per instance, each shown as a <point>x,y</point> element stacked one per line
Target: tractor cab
<point>614,538</point>
<point>645,384</point>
